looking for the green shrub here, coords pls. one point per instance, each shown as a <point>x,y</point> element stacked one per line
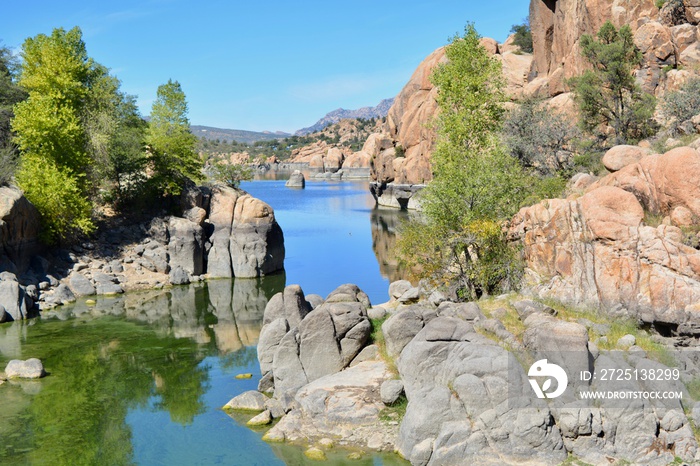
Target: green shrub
<point>540,137</point>
<point>683,104</point>
<point>231,174</point>
<point>523,36</point>
<point>56,193</point>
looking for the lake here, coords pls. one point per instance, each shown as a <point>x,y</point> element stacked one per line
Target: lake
<point>140,378</point>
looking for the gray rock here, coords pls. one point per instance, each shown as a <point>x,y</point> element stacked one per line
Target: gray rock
<point>261,419</point>
<point>377,313</point>
<point>186,246</point>
<point>81,286</point>
<point>267,383</point>
<point>256,244</point>
<point>319,352</point>
<point>436,298</point>
<point>62,295</point>
<point>275,407</point>
<point>398,288</point>
<point>314,300</point>
<point>270,337</point>
<point>626,341</point>
<point>289,304</point>
<point>465,311</point>
<point>672,421</point>
<point>526,307</point>
<point>247,401</point>
<point>390,391</point>
<point>296,180</point>
<point>412,295</point>
<point>289,374</point>
<point>368,353</point>
<point>401,327</point>
<point>4,315</point>
<point>14,299</point>
<point>109,288</point>
<point>179,276</point>
<point>32,292</point>
<point>349,293</point>
<point>29,369</point>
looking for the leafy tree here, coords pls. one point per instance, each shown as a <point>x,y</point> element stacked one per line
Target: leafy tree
<point>476,182</point>
<point>50,132</point>
<point>10,94</point>
<point>539,137</point>
<point>171,143</point>
<point>523,36</point>
<point>231,174</point>
<point>608,94</point>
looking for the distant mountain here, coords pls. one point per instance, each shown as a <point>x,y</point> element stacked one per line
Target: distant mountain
<point>238,135</point>
<point>335,116</point>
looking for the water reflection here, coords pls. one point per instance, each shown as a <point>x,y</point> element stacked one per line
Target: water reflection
<point>141,352</point>
<point>385,225</point>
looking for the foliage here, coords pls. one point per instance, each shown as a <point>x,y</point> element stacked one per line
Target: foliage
<point>683,104</point>
<point>231,174</point>
<point>173,159</point>
<point>56,193</point>
<point>540,137</point>
<point>10,94</point>
<point>126,156</point>
<point>476,182</point>
<point>608,94</point>
<point>523,36</point>
<point>50,133</point>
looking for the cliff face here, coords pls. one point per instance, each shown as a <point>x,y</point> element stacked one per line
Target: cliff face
<point>667,37</point>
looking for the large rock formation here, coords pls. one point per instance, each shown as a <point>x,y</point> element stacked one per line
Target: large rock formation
<point>19,230</point>
<point>596,250</point>
<point>400,156</point>
<point>246,240</point>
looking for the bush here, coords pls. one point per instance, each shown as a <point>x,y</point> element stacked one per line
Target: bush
<point>56,193</point>
<point>231,174</point>
<point>539,137</point>
<point>683,104</point>
<point>523,36</point>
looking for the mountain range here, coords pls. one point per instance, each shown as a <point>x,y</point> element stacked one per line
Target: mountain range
<point>335,116</point>
<point>239,135</point>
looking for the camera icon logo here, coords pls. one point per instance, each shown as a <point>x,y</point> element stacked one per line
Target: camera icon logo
<point>542,368</point>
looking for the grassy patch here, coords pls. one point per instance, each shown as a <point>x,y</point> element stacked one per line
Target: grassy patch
<point>653,220</point>
<point>573,461</point>
<point>395,412</point>
<point>377,338</point>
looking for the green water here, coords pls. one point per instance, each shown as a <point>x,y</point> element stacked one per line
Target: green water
<point>140,379</point>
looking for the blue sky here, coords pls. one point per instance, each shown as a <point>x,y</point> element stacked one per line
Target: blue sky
<point>262,65</point>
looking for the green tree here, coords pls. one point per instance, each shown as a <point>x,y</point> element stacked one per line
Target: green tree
<point>231,174</point>
<point>50,133</point>
<point>523,36</point>
<point>10,94</point>
<point>476,183</point>
<point>540,137</point>
<point>608,94</point>
<point>171,143</point>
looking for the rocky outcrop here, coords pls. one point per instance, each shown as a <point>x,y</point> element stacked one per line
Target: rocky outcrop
<point>299,345</point>
<point>296,180</point>
<point>223,233</point>
<point>666,37</point>
<point>19,230</point>
<point>29,369</point>
<point>596,250</point>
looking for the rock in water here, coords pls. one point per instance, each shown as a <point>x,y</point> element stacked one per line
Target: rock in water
<point>296,180</point>
<point>247,401</point>
<point>29,369</point>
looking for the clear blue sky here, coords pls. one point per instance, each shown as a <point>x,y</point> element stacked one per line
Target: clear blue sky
<point>262,65</point>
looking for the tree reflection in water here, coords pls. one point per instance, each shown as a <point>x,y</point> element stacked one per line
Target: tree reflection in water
<point>137,351</point>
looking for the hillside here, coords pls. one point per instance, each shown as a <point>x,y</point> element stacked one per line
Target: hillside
<point>238,135</point>
<point>366,113</point>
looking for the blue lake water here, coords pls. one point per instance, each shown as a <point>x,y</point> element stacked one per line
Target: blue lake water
<point>140,378</point>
